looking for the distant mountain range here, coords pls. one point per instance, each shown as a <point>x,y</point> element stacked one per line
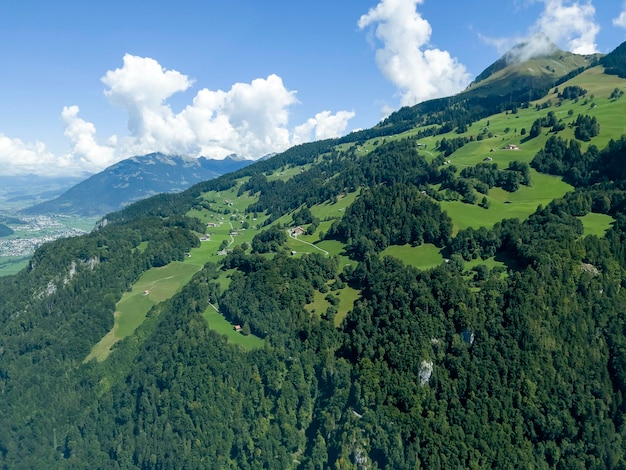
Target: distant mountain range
<point>133,179</point>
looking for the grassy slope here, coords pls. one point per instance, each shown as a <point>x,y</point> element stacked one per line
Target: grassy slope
<point>228,211</point>
<point>10,265</point>
<point>424,256</point>
<point>218,323</point>
<point>506,128</point>
<point>161,284</point>
<point>596,224</point>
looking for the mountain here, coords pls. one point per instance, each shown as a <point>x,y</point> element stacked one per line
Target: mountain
<point>133,179</point>
<point>536,65</point>
<point>615,62</point>
<point>443,290</point>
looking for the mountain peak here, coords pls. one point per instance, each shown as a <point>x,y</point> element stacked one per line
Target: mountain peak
<point>136,178</point>
<point>534,64</point>
<point>536,47</point>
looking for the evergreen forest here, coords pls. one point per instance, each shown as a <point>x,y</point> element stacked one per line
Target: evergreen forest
<point>264,319</point>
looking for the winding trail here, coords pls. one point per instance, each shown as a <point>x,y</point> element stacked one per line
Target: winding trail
<point>307,243</point>
<point>232,239</point>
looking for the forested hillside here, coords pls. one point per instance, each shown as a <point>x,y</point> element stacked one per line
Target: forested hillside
<point>444,290</point>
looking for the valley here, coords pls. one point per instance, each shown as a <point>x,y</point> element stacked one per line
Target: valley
<point>30,232</point>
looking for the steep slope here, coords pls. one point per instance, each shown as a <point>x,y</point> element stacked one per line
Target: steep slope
<point>428,295</point>
<point>521,69</point>
<point>133,179</point>
<point>615,62</point>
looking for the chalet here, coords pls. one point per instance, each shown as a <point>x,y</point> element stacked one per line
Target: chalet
<point>237,328</point>
<point>297,231</point>
<point>146,292</point>
<point>511,147</point>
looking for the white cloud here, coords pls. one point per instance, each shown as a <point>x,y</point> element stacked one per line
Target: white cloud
<point>86,152</point>
<point>620,21</point>
<point>534,46</point>
<point>323,126</point>
<point>572,25</point>
<point>141,87</point>
<point>250,119</point>
<point>569,26</point>
<point>18,157</point>
<point>419,72</point>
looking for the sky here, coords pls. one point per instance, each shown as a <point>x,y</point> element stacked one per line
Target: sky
<point>86,84</point>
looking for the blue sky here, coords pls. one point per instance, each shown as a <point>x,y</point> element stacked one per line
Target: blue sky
<point>85,84</point>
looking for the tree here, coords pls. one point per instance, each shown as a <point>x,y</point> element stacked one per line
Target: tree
<point>586,127</point>
<point>269,240</point>
<point>535,129</point>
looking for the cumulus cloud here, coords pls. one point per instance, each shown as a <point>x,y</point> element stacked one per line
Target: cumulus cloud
<point>18,157</point>
<point>568,25</point>
<point>323,126</point>
<point>620,21</point>
<point>141,87</point>
<point>419,71</point>
<point>250,119</point>
<point>85,150</point>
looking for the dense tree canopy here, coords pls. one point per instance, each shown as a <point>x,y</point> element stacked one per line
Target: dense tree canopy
<point>522,365</point>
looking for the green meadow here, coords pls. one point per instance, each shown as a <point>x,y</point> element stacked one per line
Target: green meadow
<point>425,256</point>
<point>596,224</point>
<point>219,324</point>
<point>154,286</point>
<point>335,209</point>
<point>505,205</point>
<point>347,296</point>
<point>10,265</point>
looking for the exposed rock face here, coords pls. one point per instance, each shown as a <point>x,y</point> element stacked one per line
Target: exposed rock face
<point>426,370</point>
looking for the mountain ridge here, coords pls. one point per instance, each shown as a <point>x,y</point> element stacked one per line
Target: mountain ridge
<point>135,178</point>
<point>540,70</point>
<point>444,290</point>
